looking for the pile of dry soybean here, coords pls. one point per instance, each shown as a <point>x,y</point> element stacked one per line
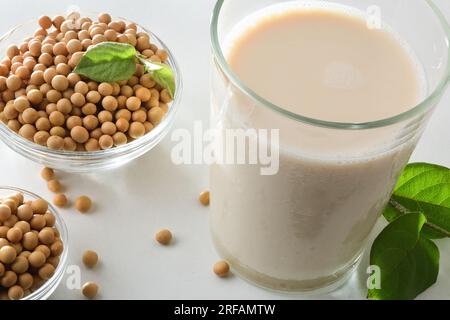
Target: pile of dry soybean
<point>44,101</point>
<point>30,246</point>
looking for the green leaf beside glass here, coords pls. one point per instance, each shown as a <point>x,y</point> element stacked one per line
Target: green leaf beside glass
<point>424,188</point>
<point>161,73</point>
<point>409,262</point>
<point>418,212</point>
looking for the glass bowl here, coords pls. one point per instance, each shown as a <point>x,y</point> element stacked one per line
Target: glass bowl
<point>80,162</point>
<point>45,291</point>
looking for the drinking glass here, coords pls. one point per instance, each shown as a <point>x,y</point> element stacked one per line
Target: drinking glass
<point>305,228</point>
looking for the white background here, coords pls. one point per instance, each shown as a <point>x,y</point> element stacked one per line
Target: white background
<point>133,202</point>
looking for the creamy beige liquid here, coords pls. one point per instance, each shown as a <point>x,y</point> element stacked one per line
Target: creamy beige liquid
<point>326,65</point>
<point>306,226</point>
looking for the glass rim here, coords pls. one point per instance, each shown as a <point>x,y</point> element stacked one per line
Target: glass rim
<point>423,106</point>
<point>6,133</point>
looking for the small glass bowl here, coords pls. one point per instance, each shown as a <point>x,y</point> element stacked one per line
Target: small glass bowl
<point>45,291</point>
<point>80,162</point>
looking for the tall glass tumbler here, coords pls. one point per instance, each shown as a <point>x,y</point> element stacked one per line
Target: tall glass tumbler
<point>305,227</point>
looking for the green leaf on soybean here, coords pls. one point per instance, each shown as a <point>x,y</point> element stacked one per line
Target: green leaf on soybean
<point>108,62</point>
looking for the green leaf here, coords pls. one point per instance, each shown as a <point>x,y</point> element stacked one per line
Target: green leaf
<point>112,61</point>
<point>424,188</point>
<point>108,62</point>
<point>409,262</point>
<point>161,73</point>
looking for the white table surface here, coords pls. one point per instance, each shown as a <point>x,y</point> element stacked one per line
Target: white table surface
<point>131,203</point>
